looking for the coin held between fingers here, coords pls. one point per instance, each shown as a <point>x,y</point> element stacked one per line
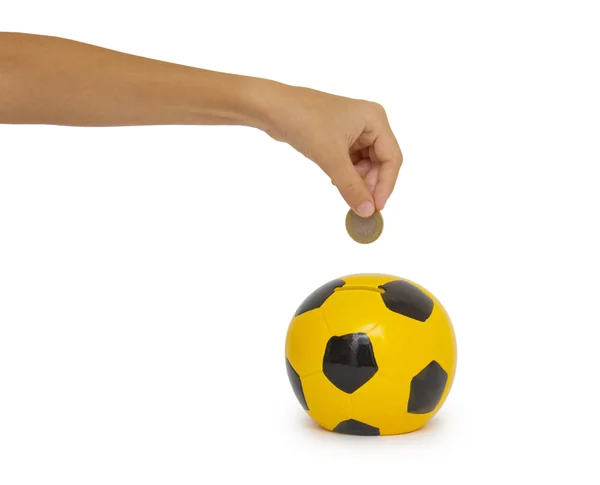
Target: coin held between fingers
<point>364,230</point>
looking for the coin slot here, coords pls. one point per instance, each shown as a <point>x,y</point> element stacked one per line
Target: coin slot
<point>358,287</point>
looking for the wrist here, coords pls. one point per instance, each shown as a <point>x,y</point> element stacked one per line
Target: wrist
<point>221,98</point>
<point>264,102</point>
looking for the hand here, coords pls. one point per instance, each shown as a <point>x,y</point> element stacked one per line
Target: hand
<point>349,139</point>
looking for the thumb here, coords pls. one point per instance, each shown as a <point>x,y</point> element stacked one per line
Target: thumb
<point>353,189</point>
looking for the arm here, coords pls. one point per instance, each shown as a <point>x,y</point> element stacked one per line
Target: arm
<point>49,80</point>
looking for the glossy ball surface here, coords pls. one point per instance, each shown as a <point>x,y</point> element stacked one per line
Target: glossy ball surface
<point>371,354</point>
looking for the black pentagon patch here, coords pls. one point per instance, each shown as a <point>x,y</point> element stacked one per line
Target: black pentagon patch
<point>426,389</point>
<point>406,299</point>
<point>318,297</point>
<point>352,426</point>
<point>349,361</point>
<point>296,384</point>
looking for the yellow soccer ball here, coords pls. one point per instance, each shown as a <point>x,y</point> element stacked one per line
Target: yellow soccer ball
<point>371,354</point>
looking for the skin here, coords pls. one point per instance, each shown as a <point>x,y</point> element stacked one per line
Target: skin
<point>55,81</point>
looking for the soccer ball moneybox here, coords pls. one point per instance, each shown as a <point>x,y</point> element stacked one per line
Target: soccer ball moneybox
<point>371,354</point>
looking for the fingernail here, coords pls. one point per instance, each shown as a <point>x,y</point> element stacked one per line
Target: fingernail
<point>365,210</point>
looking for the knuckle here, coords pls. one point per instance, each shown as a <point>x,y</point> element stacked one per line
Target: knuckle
<point>349,186</point>
<point>377,109</point>
<point>350,189</point>
<point>375,112</point>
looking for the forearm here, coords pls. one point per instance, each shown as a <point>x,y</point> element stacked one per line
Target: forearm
<point>49,80</point>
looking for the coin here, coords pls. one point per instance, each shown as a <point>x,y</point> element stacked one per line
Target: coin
<point>364,230</point>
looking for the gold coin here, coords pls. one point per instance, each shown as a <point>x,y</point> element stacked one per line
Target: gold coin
<point>364,230</point>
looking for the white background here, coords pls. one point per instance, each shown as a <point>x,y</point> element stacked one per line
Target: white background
<point>148,275</point>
